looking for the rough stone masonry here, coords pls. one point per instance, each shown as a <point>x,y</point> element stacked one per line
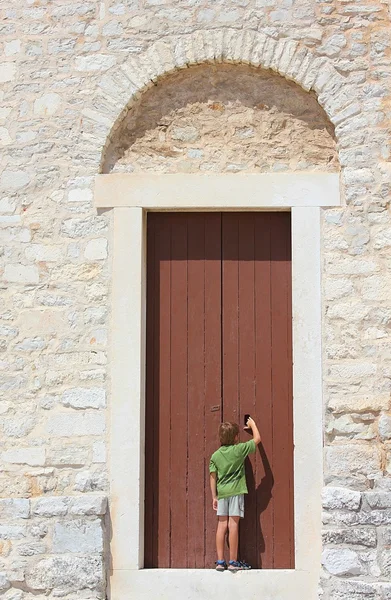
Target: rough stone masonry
<point>67,67</point>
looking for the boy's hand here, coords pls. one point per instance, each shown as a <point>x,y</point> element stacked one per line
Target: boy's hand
<point>215,503</point>
<point>250,422</point>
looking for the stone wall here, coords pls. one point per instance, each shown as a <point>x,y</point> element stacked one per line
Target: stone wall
<point>53,543</point>
<point>68,69</point>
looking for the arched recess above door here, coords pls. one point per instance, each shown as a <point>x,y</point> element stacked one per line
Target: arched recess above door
<point>120,88</point>
<point>223,118</point>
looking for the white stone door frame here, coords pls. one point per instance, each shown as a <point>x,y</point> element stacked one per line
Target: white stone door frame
<point>131,196</point>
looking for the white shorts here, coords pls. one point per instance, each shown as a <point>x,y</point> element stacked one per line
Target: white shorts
<point>233,506</point>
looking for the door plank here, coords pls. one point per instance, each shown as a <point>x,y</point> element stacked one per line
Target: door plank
<point>281,370</point>
<point>151,449</point>
<point>247,398</point>
<point>196,390</point>
<point>213,365</point>
<point>230,313</point>
<point>264,462</point>
<point>178,392</point>
<point>163,381</point>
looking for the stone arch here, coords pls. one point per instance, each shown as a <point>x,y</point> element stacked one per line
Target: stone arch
<point>118,90</point>
<point>223,118</point>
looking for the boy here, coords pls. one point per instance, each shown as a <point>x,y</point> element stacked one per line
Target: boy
<point>228,486</point>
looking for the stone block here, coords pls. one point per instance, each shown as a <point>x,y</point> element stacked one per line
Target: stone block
<point>287,56</point>
<point>12,47</point>
<point>17,571</point>
<point>47,105</point>
<point>25,456</point>
<point>378,499</point>
<point>94,62</point>
<point>78,536</point>
<point>87,481</point>
<point>9,220</point>
<point>53,506</point>
<point>84,398</point>
<point>40,322</point>
<point>5,138</point>
<point>78,228</point>
<point>351,427</point>
<point>67,455</point>
<point>96,249</point>
<point>7,72</point>
<point>382,484</point>
<point>43,252</point>
<point>279,16</point>
<point>31,344</point>
<point>12,532</point>
<point>350,265</point>
<point>95,315</point>
<point>385,562</point>
<point>342,561</point>
<point>12,382</point>
<point>268,51</point>
<point>8,331</point>
<point>352,372</point>
<point>278,52</point>
<point>80,195</point>
<point>337,498</point>
<point>39,530</point>
<point>376,288</point>
<point>338,288</point>
<point>99,452</point>
<point>68,425</point>
<point>385,427</point>
<point>344,589</point>
<point>385,536</point>
<point>88,504</point>
<point>6,205</point>
<point>359,403</point>
<point>18,427</point>
<point>357,176</point>
<point>14,180</point>
<point>333,44</point>
<point>21,274</point>
<point>352,311</point>
<point>14,508</point>
<point>352,459</point>
<point>96,117</point>
<point>382,240</point>
<point>4,581</point>
<point>365,536</point>
<point>32,549</point>
<point>112,28</point>
<point>347,113</point>
<point>185,134</point>
<point>68,574</point>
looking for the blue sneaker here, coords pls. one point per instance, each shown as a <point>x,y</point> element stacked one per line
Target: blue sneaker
<point>234,565</point>
<point>221,565</point>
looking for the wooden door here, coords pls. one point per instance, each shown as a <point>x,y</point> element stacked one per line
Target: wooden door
<point>218,346</point>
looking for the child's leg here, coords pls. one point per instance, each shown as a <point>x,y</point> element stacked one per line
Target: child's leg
<point>233,526</point>
<point>220,536</point>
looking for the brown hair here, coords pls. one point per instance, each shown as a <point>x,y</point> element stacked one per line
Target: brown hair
<point>227,433</point>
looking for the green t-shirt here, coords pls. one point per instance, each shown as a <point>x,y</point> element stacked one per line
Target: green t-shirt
<point>228,463</point>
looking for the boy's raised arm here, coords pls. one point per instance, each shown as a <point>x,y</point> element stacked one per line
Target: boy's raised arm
<point>254,429</point>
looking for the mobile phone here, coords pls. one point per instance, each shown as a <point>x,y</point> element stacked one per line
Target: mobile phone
<point>246,418</point>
